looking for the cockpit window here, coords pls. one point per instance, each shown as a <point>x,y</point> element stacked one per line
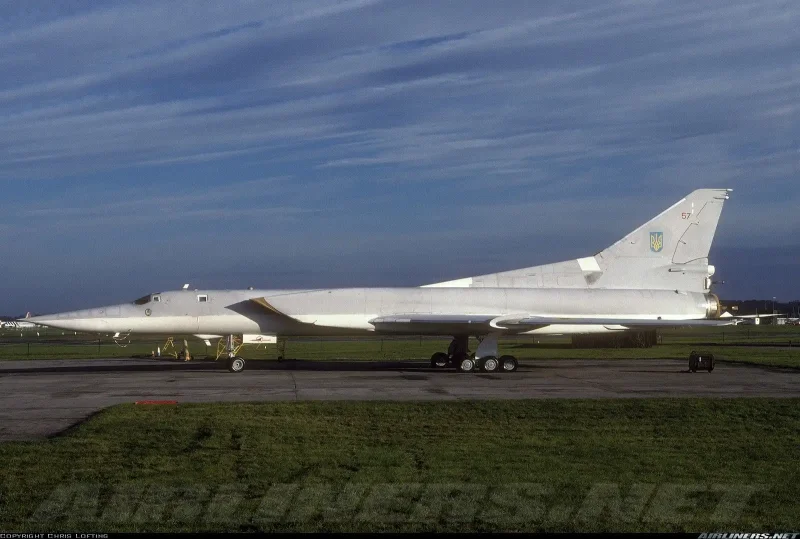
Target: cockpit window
<point>147,299</point>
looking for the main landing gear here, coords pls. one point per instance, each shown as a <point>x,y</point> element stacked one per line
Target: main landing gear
<point>484,359</point>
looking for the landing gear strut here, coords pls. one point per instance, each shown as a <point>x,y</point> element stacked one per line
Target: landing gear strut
<point>235,363</point>
<point>484,359</point>
<point>486,354</point>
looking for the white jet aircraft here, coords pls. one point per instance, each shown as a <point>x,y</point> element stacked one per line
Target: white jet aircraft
<point>656,276</point>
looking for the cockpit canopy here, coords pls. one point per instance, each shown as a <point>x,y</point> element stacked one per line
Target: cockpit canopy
<point>147,299</point>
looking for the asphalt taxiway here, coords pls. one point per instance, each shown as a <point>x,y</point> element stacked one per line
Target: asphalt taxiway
<point>40,398</point>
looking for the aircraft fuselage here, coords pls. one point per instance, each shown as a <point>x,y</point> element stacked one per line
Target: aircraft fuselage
<point>348,311</point>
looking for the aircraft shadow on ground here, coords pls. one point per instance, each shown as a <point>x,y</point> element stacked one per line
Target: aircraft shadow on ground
<point>165,365</point>
<point>560,346</point>
<point>211,366</point>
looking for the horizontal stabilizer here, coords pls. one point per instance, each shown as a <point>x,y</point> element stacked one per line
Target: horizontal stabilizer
<point>753,315</point>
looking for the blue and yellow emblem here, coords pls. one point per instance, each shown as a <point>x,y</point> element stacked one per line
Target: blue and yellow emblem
<point>656,241</point>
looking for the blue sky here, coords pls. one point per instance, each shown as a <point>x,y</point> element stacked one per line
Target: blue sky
<point>309,143</point>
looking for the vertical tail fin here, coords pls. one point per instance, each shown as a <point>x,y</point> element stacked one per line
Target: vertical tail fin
<point>681,234</point>
<point>668,252</point>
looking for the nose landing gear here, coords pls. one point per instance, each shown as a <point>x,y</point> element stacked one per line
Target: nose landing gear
<point>236,364</point>
<point>232,346</point>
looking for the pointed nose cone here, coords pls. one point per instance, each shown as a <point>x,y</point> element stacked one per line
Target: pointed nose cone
<point>47,320</point>
<point>90,320</point>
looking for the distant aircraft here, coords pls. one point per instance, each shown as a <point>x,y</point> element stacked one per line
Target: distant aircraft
<point>753,319</point>
<point>21,324</point>
<point>656,276</point>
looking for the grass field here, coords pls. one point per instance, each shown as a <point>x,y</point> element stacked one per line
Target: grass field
<point>768,345</point>
<point>625,465</point>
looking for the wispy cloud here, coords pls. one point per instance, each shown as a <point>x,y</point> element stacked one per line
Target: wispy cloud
<point>388,119</point>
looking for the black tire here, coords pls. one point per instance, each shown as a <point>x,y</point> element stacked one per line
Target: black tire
<point>692,363</point>
<point>467,365</point>
<point>236,364</point>
<point>710,363</point>
<point>489,364</point>
<point>439,360</point>
<point>508,364</point>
